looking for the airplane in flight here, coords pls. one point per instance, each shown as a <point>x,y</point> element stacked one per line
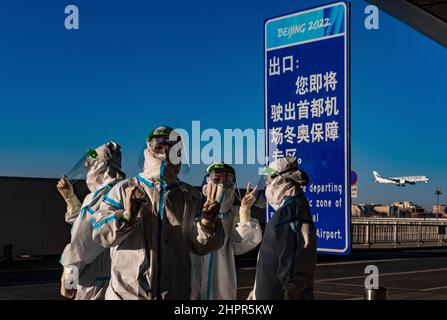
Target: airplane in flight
<point>399,181</point>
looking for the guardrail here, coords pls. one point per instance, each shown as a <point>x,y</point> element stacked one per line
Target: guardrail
<point>398,232</point>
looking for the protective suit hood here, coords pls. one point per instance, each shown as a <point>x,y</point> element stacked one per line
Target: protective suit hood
<point>157,167</point>
<point>106,167</point>
<point>287,184</point>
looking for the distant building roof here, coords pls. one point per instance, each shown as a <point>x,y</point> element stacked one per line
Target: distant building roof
<point>427,16</point>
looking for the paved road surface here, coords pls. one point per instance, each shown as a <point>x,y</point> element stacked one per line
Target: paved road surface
<point>407,274</point>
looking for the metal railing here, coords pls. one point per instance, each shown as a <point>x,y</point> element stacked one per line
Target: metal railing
<point>398,231</point>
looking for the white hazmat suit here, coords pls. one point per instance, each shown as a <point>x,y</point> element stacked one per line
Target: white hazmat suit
<point>82,255</point>
<point>150,253</point>
<point>214,275</point>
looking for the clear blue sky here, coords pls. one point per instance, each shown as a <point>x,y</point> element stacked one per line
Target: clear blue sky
<point>136,64</point>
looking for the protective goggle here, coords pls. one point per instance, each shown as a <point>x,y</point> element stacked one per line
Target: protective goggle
<point>225,187</point>
<point>271,174</point>
<point>226,179</point>
<point>160,145</point>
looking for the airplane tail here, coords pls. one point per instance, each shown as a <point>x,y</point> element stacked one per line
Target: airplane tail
<point>376,175</point>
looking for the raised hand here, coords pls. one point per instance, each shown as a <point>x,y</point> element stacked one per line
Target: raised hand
<point>65,188</point>
<point>211,192</point>
<point>250,197</point>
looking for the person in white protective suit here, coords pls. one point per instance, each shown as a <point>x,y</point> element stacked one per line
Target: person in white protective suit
<point>87,264</point>
<point>288,253</point>
<point>149,223</point>
<point>214,275</point>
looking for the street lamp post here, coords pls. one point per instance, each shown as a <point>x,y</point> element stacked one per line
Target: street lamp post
<point>438,192</point>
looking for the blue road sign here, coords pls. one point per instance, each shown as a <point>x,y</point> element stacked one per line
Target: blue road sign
<point>307,111</point>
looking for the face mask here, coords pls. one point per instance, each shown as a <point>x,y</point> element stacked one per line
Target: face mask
<point>225,196</point>
<point>156,166</point>
<point>92,182</point>
<point>95,175</point>
<point>280,189</point>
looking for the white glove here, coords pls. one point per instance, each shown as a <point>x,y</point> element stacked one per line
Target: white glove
<point>66,291</point>
<point>66,190</point>
<point>251,295</point>
<point>247,202</point>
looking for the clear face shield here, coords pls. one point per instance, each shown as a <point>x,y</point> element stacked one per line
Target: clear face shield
<point>226,179</point>
<point>166,148</point>
<point>219,186</point>
<point>260,186</point>
<point>80,170</point>
<point>266,178</point>
<point>269,175</point>
<point>161,147</point>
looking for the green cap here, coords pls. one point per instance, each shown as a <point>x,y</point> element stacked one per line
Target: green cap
<point>223,167</point>
<point>163,131</point>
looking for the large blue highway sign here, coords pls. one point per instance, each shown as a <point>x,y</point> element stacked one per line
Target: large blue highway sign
<point>307,111</point>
